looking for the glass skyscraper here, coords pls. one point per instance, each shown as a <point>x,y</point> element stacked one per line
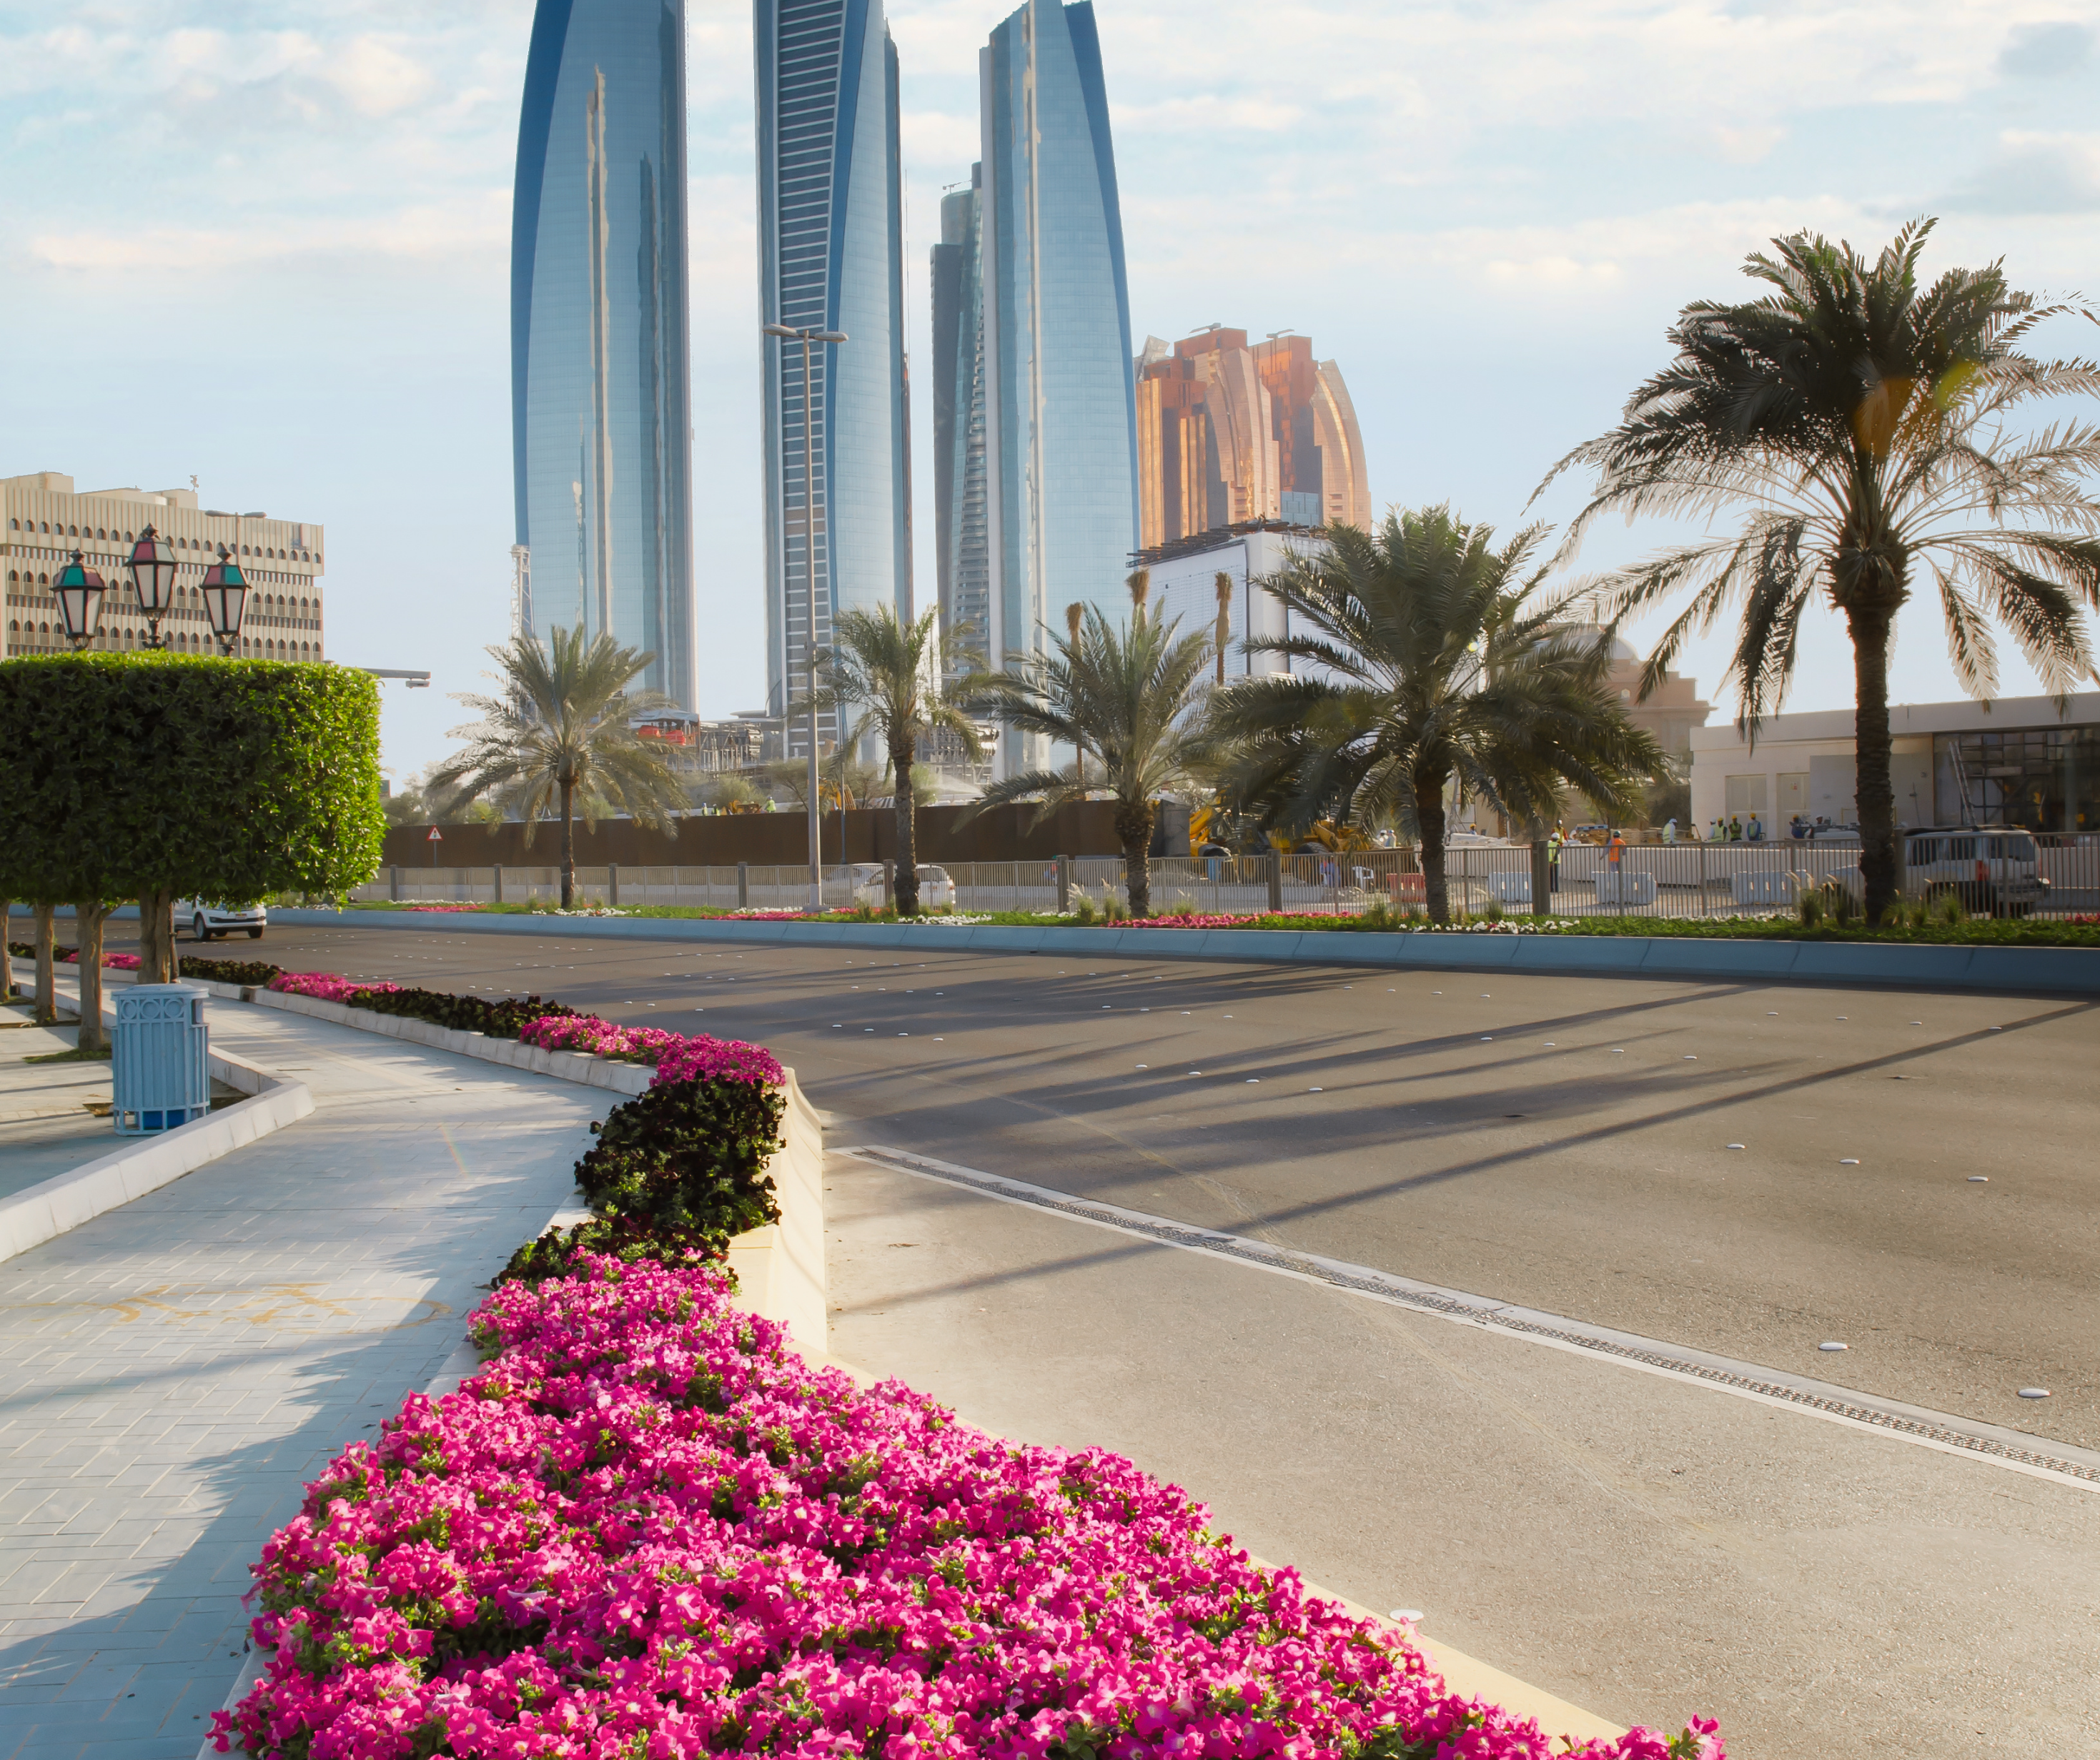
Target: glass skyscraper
<point>600,398</point>
<point>1060,423</point>
<point>962,540</point>
<point>831,249</point>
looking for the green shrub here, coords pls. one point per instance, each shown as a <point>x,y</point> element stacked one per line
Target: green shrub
<point>1809,908</point>
<point>462,1013</point>
<point>254,973</point>
<point>626,1239</point>
<point>688,1155</point>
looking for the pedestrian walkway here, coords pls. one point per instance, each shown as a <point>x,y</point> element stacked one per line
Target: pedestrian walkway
<point>178,1369</point>
<point>48,1122</point>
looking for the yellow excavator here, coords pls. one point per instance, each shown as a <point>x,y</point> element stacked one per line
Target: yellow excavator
<point>1324,836</point>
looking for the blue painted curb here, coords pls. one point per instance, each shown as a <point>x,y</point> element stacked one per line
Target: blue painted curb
<point>2058,971</point>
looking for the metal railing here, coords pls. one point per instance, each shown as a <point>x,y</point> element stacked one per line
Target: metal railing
<point>1640,880</point>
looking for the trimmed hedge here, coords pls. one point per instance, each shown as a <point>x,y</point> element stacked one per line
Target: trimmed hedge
<point>688,1155</point>
<point>132,774</point>
<point>629,1240</point>
<point>441,1008</point>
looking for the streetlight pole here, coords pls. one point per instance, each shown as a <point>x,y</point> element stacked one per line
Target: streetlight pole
<point>805,336</point>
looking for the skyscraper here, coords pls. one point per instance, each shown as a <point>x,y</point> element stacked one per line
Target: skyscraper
<point>962,543</point>
<point>1061,442</point>
<point>831,249</point>
<point>601,433</point>
<point>1228,433</point>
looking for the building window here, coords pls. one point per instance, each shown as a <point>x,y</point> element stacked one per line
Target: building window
<point>1793,794</point>
<point>1746,795</point>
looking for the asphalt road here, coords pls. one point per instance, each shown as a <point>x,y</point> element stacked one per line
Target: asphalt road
<point>1640,1546</point>
<point>1561,1142</point>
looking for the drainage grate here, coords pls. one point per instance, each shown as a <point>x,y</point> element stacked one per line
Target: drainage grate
<point>1478,1310</point>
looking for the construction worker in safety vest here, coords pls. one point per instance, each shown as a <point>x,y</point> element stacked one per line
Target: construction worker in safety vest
<point>1553,859</point>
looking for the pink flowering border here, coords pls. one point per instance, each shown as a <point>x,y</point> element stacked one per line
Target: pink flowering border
<point>649,1528</point>
<point>677,1057</point>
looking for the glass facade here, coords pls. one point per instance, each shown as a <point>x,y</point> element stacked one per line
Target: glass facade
<point>600,397</point>
<point>1060,419</point>
<point>831,258</point>
<point>2046,779</point>
<point>962,539</point>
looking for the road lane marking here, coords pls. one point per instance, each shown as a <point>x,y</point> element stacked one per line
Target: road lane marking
<point>1943,1432</point>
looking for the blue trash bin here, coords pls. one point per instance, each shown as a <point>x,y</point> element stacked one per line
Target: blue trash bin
<point>160,1063</point>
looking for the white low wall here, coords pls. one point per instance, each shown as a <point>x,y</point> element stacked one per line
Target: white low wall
<point>780,1269</point>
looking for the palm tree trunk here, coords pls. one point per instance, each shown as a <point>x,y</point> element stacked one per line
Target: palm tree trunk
<point>6,959</point>
<point>901,754</point>
<point>568,848</point>
<point>1133,824</point>
<point>1875,791</point>
<point>1429,819</point>
<point>157,963</point>
<point>48,993</point>
<point>92,1037</point>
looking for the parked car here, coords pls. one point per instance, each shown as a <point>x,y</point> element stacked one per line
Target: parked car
<point>207,920</point>
<point>936,891</point>
<point>1995,870</point>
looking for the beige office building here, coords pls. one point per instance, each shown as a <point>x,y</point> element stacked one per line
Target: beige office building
<point>1228,434</point>
<point>45,521</point>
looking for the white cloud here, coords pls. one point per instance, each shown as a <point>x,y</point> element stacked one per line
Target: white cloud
<point>376,77</point>
<point>2032,173</point>
<point>467,227</point>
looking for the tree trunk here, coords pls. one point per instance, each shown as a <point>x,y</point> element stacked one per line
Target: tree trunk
<point>1876,796</point>
<point>1133,825</point>
<point>157,963</point>
<point>1429,820</point>
<point>92,1036</point>
<point>47,994</point>
<point>569,848</point>
<point>901,756</point>
<point>6,959</point>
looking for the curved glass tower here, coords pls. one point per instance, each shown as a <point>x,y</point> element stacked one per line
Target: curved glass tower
<point>600,394</point>
<point>1060,421</point>
<point>831,258</point>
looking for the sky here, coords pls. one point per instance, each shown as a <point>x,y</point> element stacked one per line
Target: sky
<point>268,245</point>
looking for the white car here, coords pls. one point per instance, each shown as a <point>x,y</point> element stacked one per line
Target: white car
<point>936,891</point>
<point>1995,870</point>
<point>205,920</point>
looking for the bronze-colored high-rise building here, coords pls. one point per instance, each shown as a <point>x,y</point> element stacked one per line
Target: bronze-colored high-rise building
<point>1227,433</point>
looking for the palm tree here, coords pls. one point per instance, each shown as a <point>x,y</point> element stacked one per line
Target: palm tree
<point>1860,419</point>
<point>1126,694</point>
<point>1430,665</point>
<point>894,676</point>
<point>560,732</point>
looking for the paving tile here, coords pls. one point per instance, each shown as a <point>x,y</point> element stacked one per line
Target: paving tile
<point>178,1368</point>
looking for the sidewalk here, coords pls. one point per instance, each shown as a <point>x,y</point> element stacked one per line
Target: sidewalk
<point>46,1125</point>
<point>180,1367</point>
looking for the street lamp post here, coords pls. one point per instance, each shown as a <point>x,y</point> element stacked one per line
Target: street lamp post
<point>225,590</point>
<point>788,332</point>
<point>78,590</point>
<point>154,565</point>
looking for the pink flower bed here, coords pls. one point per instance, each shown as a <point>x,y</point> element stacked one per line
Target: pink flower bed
<point>326,986</point>
<point>441,906</point>
<point>1192,922</point>
<point>677,1057</point>
<point>113,961</point>
<point>647,1529</point>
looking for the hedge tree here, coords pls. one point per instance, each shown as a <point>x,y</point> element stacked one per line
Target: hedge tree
<point>159,777</point>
